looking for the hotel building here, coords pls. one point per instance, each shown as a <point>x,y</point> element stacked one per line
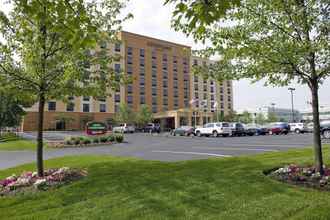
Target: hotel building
<point>162,79</point>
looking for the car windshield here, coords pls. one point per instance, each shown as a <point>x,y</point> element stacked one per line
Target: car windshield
<point>225,125</point>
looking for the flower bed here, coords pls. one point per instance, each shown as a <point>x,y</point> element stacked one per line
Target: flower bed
<point>84,141</point>
<point>30,182</point>
<point>303,175</point>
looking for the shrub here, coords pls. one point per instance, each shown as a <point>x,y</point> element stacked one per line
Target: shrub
<point>76,140</point>
<point>103,139</point>
<point>8,137</point>
<point>111,138</point>
<point>119,138</point>
<point>96,140</point>
<point>87,141</point>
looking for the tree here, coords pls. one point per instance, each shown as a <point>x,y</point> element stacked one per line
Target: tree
<point>282,41</point>
<point>11,110</point>
<point>49,50</point>
<point>125,114</point>
<point>272,117</point>
<point>144,116</point>
<point>245,117</point>
<point>260,119</point>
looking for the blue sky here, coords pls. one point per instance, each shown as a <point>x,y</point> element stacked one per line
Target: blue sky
<point>153,19</point>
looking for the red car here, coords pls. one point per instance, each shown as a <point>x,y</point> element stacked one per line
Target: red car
<point>279,128</point>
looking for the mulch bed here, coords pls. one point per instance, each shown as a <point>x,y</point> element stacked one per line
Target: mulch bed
<point>305,176</point>
<point>29,182</point>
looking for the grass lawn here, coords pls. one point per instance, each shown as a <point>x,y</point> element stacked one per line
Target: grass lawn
<point>122,188</point>
<point>16,145</point>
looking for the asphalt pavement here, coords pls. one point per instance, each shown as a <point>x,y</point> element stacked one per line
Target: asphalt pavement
<point>164,147</point>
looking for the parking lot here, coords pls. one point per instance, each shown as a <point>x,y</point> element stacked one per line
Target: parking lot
<point>165,147</point>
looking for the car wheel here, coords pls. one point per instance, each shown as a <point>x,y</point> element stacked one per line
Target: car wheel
<point>297,131</point>
<point>198,133</point>
<point>326,134</point>
<point>215,134</point>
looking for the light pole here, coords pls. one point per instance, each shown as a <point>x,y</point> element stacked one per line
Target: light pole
<point>292,108</point>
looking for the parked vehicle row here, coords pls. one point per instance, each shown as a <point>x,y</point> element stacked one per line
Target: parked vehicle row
<point>129,128</point>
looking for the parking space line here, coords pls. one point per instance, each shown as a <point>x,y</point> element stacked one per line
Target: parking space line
<point>234,148</point>
<point>194,153</point>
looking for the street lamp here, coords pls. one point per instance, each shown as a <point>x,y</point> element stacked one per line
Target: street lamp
<point>292,109</point>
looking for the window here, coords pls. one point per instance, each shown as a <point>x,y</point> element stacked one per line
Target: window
<point>129,70</point>
<point>196,79</point>
<point>103,108</point>
<point>205,88</point>
<point>165,92</point>
<point>51,106</point>
<point>154,82</point>
<point>165,101</point>
<point>154,91</point>
<point>165,85</point>
<point>165,57</point>
<point>141,52</point>
<point>117,68</point>
<point>129,60</point>
<point>142,71</point>
<point>142,90</point>
<point>129,50</point>
<point>103,44</point>
<point>195,62</point>
<point>175,84</point>
<point>70,98</point>
<point>153,64</point>
<point>70,107</point>
<point>176,93</point>
<point>175,60</point>
<point>221,97</point>
<point>176,102</point>
<point>154,54</point>
<point>129,89</point>
<point>86,98</point>
<point>221,90</point>
<point>141,61</point>
<point>142,81</point>
<point>130,99</point>
<point>212,89</point>
<point>185,61</point>
<point>117,98</point>
<point>117,47</point>
<point>196,95</point>
<point>154,73</point>
<point>142,100</point>
<point>154,100</point>
<point>165,75</point>
<point>196,87</point>
<point>85,107</point>
<point>116,108</point>
<point>154,108</point>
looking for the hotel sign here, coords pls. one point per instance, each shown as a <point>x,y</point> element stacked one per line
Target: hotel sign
<point>96,128</point>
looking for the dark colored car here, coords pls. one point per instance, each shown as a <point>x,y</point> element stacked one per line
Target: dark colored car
<point>237,129</point>
<point>262,131</point>
<point>279,128</point>
<point>184,131</point>
<point>152,128</point>
<point>325,129</point>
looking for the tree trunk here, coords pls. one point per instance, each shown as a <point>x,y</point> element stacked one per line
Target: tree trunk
<point>317,132</point>
<point>40,165</point>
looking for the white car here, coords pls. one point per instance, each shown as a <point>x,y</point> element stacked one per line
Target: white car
<point>124,128</point>
<point>215,129</point>
<point>298,128</point>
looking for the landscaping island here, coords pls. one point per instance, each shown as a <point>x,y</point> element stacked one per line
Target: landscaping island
<point>124,188</point>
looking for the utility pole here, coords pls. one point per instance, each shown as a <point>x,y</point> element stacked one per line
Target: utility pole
<point>292,108</point>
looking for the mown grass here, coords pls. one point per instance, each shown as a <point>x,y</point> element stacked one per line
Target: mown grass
<point>125,188</point>
<point>17,145</point>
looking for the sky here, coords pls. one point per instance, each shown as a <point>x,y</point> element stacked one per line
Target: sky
<point>153,19</point>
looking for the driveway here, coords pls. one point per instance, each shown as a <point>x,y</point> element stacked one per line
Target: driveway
<point>166,148</point>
